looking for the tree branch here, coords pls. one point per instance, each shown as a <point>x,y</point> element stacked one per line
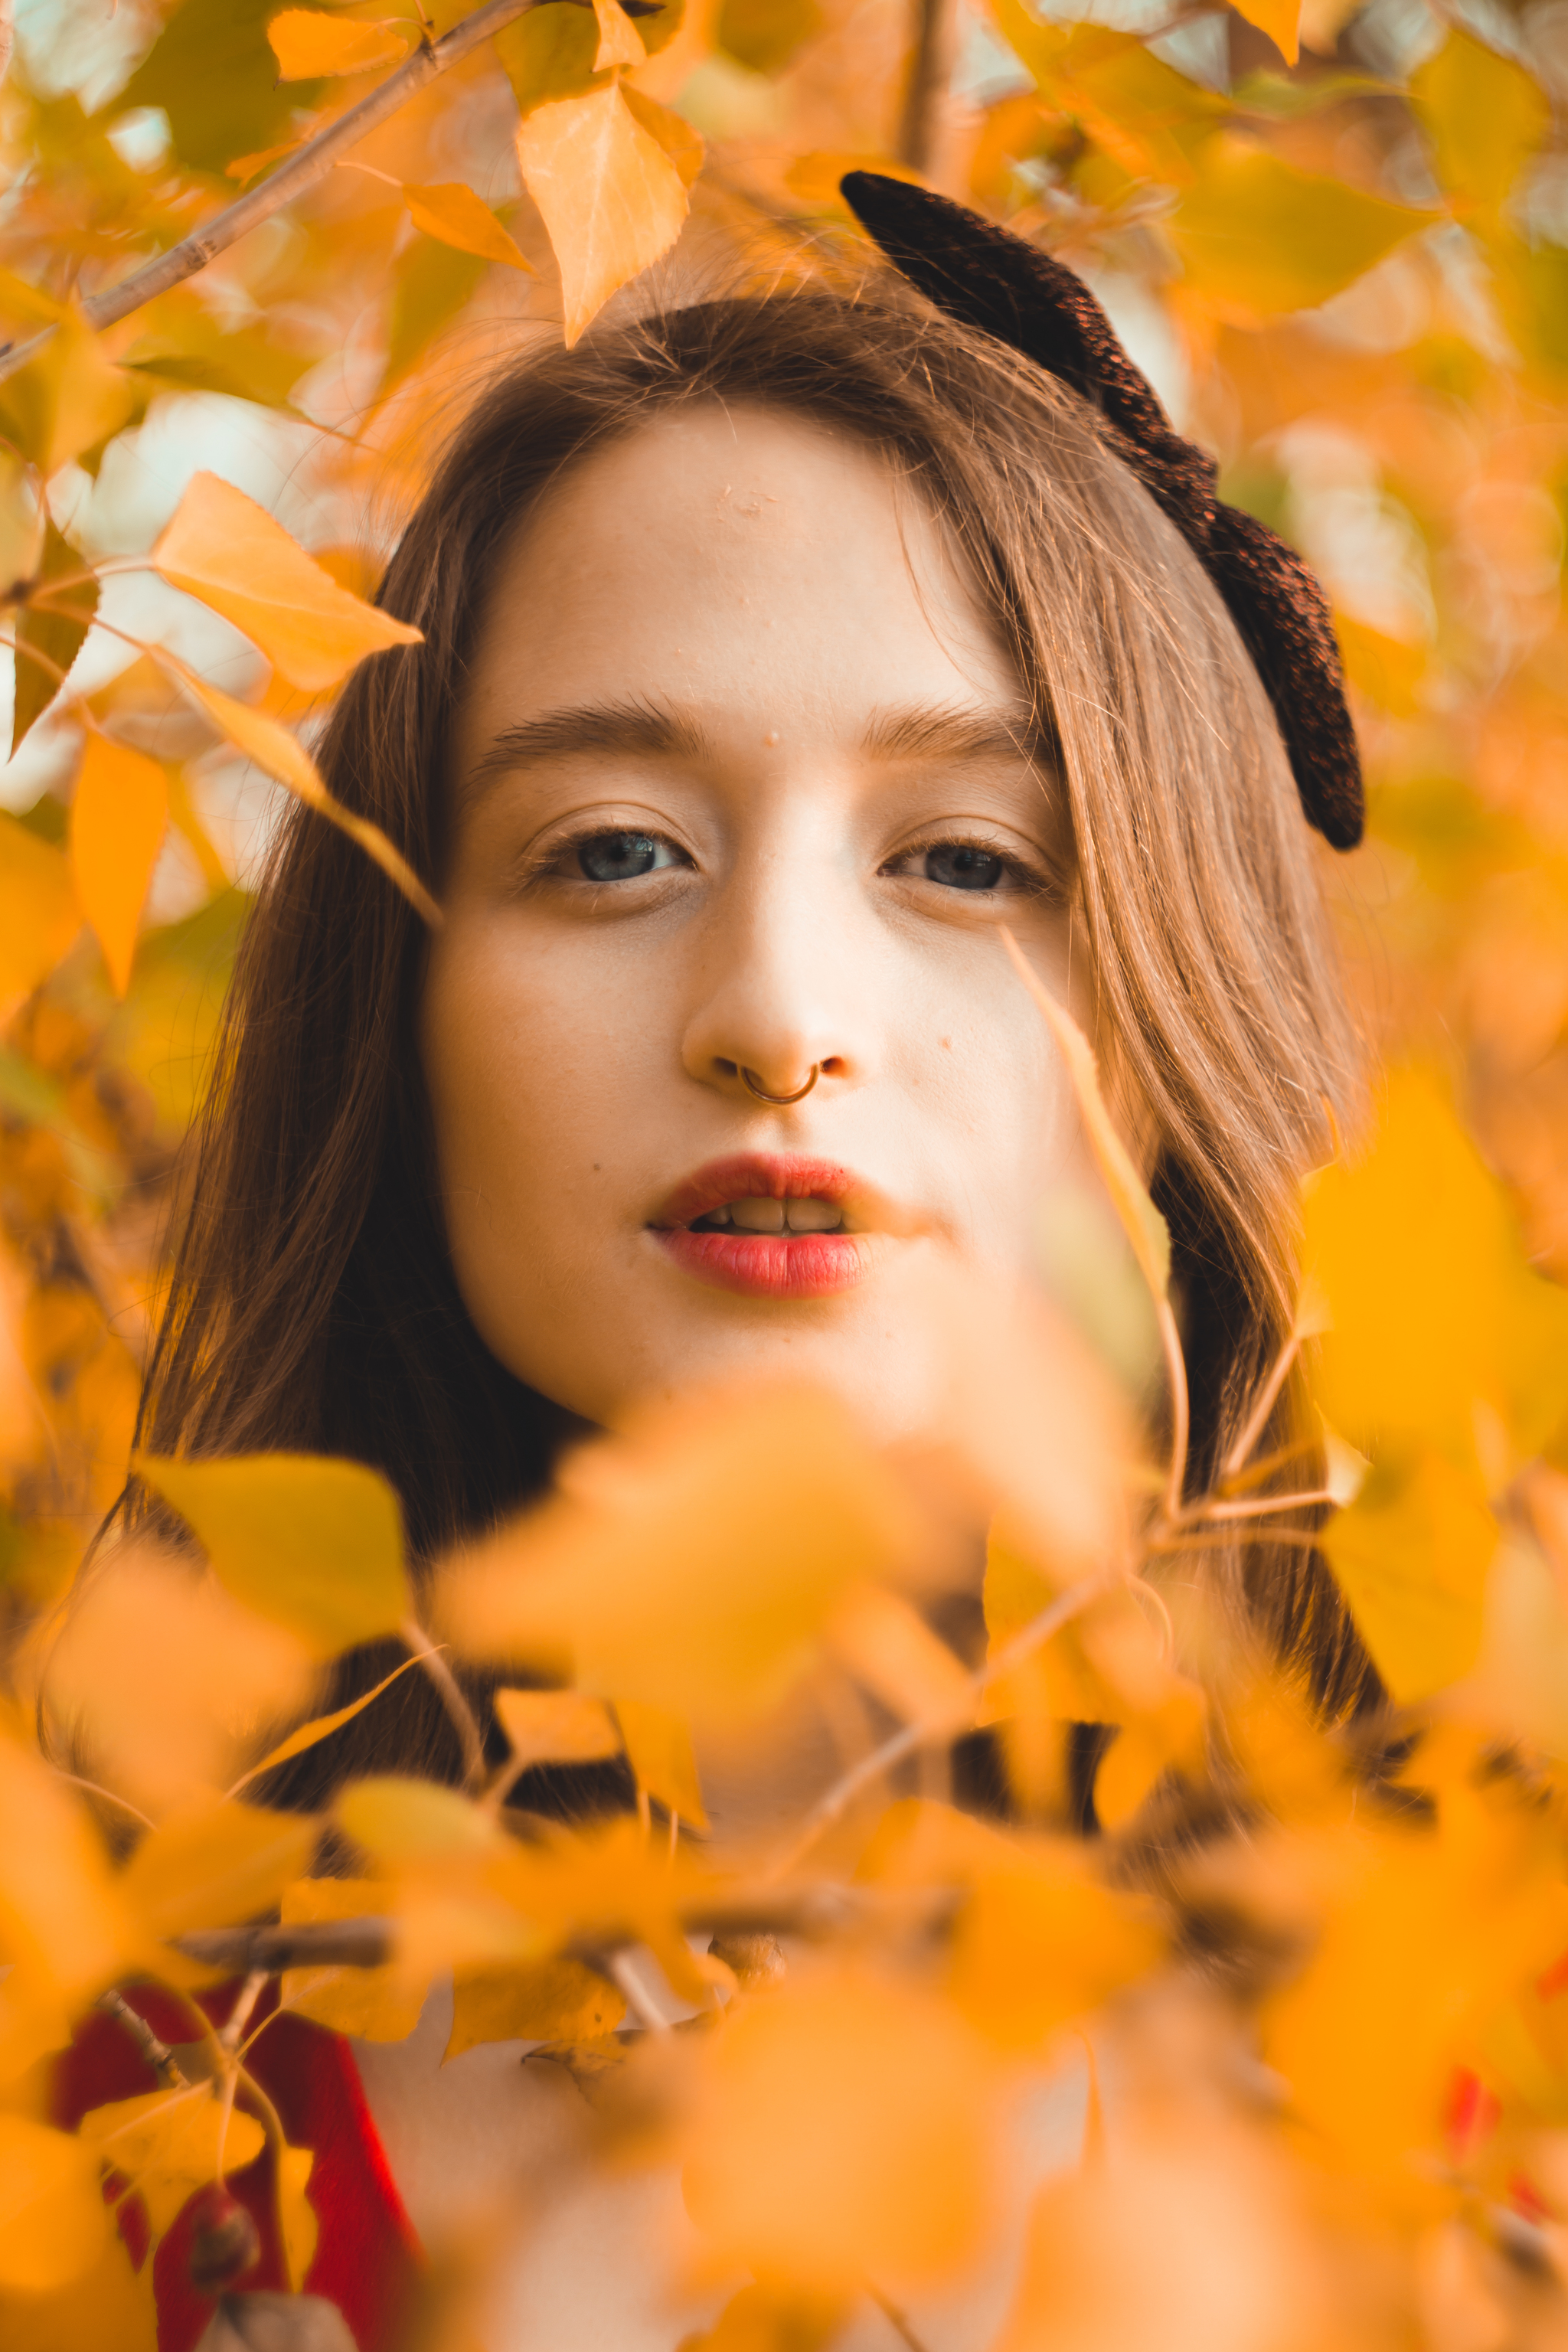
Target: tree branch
<point>301,171</point>
<point>930,71</point>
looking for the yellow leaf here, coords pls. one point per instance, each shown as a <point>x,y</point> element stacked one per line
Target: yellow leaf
<point>380,2004</point>
<point>554,1999</point>
<point>655,1575</point>
<point>50,631</point>
<point>449,209</point>
<point>221,547</point>
<point>611,199</point>
<point>282,755</point>
<point>172,2143</point>
<point>297,2221</point>
<point>764,34</point>
<point>212,1864</point>
<point>39,916</point>
<point>549,53</point>
<point>841,2130</point>
<point>397,1819</point>
<point>1258,235</point>
<point>1485,116</point>
<point>1435,1309</point>
<point>1387,670</point>
<point>618,42</point>
<point>659,1749</point>
<point>108,2304</point>
<point>887,1645</point>
<point>1040,1942</point>
<point>1411,1555</point>
<point>772,2319</point>
<point>1140,1221</point>
<point>546,1726</point>
<point>119,811</point>
<point>168,1679</point>
<point>1280,19</point>
<point>814,178</point>
<point>62,1928</point>
<point>53,2220</point>
<point>307,43</point>
<point>680,143</point>
<point>314,1544</point>
<point>68,399</point>
<point>319,1728</point>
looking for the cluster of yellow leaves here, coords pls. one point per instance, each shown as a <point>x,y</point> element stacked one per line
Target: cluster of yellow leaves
<point>872,2123</point>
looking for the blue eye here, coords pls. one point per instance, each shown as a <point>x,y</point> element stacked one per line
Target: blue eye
<point>619,857</point>
<point>958,866</point>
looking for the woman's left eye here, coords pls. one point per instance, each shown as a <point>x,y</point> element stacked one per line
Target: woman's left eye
<point>621,857</point>
<point>963,866</point>
<point>958,866</point>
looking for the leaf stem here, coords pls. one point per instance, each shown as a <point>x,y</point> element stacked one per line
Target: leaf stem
<point>310,163</point>
<point>462,1715</point>
<point>1260,1505</point>
<point>1263,1405</point>
<point>902,1743</point>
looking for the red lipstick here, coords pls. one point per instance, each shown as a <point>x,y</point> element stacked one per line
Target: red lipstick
<point>762,1265</point>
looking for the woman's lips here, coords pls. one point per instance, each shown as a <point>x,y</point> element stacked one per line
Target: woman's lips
<point>770,1265</point>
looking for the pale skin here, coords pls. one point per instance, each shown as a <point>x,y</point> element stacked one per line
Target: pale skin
<point>844,753</point>
<point>737,671</point>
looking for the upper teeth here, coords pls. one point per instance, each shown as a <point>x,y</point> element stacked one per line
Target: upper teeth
<point>810,1216</point>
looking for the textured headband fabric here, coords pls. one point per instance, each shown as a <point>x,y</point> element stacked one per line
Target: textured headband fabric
<point>989,279</point>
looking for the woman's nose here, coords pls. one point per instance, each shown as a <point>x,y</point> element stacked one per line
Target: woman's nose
<point>777,1006</point>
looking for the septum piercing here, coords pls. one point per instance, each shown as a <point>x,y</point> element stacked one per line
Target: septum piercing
<point>755,1088</point>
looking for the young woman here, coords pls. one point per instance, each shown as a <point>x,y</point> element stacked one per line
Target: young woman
<point>777,651</point>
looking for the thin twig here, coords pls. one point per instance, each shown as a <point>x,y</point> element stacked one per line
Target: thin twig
<point>1260,1505</point>
<point>828,1808</point>
<point>1253,1427</point>
<point>895,2319</point>
<point>93,1790</point>
<point>232,2030</point>
<point>640,1997</point>
<point>157,2054</point>
<point>931,72</point>
<point>452,1699</point>
<point>1180,1406</point>
<point>1198,1539</point>
<point>1238,1481</point>
<point>310,163</point>
<point>309,1944</point>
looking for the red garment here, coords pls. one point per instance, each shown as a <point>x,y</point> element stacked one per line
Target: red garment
<point>367,2258</point>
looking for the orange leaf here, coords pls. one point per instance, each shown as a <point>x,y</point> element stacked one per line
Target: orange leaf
<point>308,45</point>
<point>547,1727</point>
<point>283,756</point>
<point>618,42</point>
<point>119,815</point>
<point>611,198</point>
<point>39,916</point>
<point>221,547</point>
<point>450,210</point>
<point>1280,19</point>
<point>680,143</point>
<point>659,1749</point>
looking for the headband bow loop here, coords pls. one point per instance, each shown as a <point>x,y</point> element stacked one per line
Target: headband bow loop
<point>990,280</point>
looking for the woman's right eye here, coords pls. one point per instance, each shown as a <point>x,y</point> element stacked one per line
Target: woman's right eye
<point>622,856</point>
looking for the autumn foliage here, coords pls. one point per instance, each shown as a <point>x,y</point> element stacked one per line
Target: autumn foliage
<point>1275,2058</point>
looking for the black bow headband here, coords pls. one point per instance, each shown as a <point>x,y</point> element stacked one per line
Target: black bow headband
<point>989,279</point>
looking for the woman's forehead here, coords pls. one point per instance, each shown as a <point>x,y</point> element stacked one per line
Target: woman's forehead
<point>733,556</point>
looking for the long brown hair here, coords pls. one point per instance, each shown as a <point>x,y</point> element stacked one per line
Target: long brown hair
<point>313,1303</point>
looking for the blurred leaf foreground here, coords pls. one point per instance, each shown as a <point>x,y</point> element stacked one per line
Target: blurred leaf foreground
<point>1300,2080</point>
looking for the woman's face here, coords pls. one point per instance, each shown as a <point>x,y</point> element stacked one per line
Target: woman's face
<point>744,781</point>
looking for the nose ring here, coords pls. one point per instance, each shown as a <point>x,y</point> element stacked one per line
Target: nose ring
<point>754,1086</point>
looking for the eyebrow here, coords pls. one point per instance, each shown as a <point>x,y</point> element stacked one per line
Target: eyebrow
<point>659,730</point>
<point>664,731</point>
